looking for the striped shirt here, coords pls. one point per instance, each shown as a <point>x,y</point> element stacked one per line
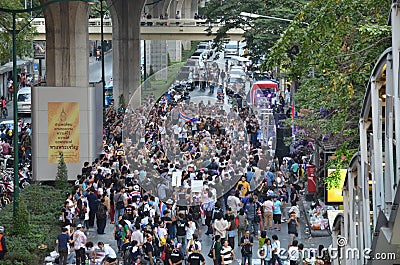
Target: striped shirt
<point>226,254</point>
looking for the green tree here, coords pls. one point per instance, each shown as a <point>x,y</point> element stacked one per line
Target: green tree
<point>62,173</point>
<point>260,34</point>
<point>24,37</point>
<point>331,48</point>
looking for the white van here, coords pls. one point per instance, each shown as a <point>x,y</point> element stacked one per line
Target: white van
<point>231,49</point>
<point>24,100</point>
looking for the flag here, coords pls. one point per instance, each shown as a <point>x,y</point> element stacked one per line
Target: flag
<point>186,118</point>
<point>163,207</point>
<point>202,211</point>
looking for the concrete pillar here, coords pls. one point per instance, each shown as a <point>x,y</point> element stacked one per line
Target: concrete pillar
<point>167,7</point>
<point>175,50</point>
<point>67,41</point>
<point>186,45</point>
<point>194,8</point>
<point>126,49</point>
<point>187,9</point>
<point>159,58</point>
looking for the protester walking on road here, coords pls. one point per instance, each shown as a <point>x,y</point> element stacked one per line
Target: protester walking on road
<point>247,242</point>
<point>93,201</point>
<point>276,247</point>
<point>101,217</point>
<point>62,242</point>
<point>292,225</point>
<point>3,246</point>
<point>119,203</point>
<point>227,253</point>
<point>79,241</point>
<point>217,250</point>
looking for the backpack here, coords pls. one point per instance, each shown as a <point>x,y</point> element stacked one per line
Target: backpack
<point>120,203</point>
<point>101,212</point>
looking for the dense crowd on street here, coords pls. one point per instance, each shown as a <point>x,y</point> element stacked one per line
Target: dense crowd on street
<point>144,186</point>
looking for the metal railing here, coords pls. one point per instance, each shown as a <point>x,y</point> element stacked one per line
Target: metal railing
<point>95,22</point>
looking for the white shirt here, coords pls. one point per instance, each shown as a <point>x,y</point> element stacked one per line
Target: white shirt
<point>108,251</point>
<point>268,206</point>
<point>293,253</point>
<point>233,202</point>
<point>190,230</point>
<point>221,224</point>
<point>162,232</point>
<point>276,245</point>
<point>79,239</point>
<point>138,236</point>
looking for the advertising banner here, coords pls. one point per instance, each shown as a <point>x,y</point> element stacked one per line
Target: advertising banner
<point>335,195</point>
<point>311,179</point>
<point>63,131</point>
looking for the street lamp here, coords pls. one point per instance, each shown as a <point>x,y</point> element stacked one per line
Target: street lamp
<point>14,33</point>
<point>252,15</point>
<point>103,81</point>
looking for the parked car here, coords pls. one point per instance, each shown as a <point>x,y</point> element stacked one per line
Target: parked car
<point>24,100</point>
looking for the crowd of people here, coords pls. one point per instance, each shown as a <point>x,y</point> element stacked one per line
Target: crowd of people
<point>180,165</point>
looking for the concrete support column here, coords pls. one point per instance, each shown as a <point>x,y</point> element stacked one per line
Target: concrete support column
<point>67,41</point>
<point>186,45</point>
<point>159,58</point>
<point>187,9</point>
<point>175,50</point>
<point>126,49</point>
<point>167,7</point>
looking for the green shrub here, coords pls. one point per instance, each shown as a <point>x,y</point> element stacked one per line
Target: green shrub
<point>43,208</point>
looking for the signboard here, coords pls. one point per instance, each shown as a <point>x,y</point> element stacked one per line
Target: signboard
<point>311,179</point>
<point>63,131</point>
<point>39,49</point>
<point>197,185</point>
<point>335,195</point>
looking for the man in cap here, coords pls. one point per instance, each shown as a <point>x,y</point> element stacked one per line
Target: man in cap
<point>3,247</point>
<point>79,240</point>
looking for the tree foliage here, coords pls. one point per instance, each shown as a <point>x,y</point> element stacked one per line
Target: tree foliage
<point>62,173</point>
<point>331,48</point>
<point>24,37</point>
<point>261,33</point>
